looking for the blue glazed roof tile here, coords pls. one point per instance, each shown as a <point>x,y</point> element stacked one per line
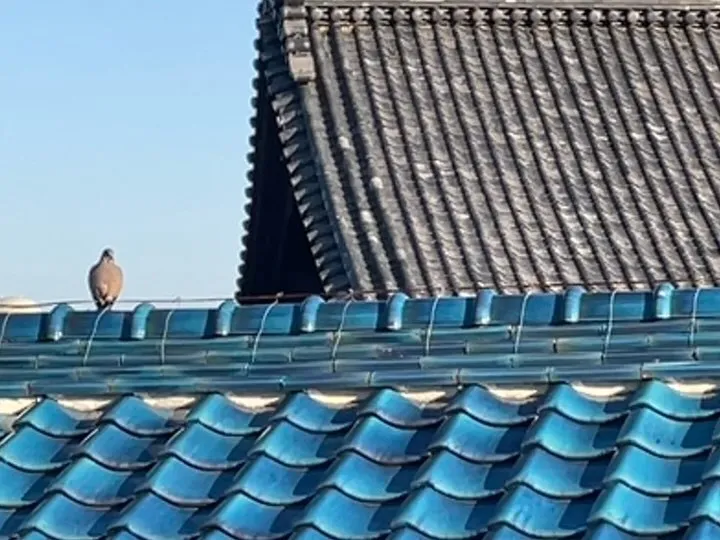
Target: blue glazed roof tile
<point>481,405</point>
<point>115,448</point>
<point>241,516</point>
<point>21,488</point>
<point>151,516</point>
<point>135,416</point>
<point>58,516</point>
<point>537,515</point>
<point>638,512</point>
<point>50,418</point>
<point>199,488</point>
<point>289,485</point>
<point>207,449</point>
<point>665,436</point>
<point>407,534</point>
<point>571,439</point>
<point>651,473</point>
<point>216,412</point>
<point>570,403</point>
<point>361,520</point>
<point>34,451</point>
<point>569,478</point>
<point>460,478</point>
<point>476,441</point>
<point>503,532</point>
<point>439,516</point>
<point>367,480</point>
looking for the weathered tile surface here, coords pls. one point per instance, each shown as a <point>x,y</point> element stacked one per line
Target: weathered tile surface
<point>442,148</point>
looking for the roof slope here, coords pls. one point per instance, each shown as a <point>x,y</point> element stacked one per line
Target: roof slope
<point>644,462</point>
<point>227,424</point>
<point>435,148</point>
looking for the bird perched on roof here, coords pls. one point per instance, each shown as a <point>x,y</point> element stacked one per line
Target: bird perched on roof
<point>105,280</point>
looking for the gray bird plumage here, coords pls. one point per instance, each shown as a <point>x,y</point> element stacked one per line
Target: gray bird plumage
<point>105,280</point>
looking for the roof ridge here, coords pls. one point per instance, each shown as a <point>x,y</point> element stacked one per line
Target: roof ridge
<point>660,5</point>
<point>398,312</point>
<point>490,338</point>
<point>255,146</point>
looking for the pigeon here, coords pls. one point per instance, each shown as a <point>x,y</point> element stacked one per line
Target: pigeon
<point>105,280</point>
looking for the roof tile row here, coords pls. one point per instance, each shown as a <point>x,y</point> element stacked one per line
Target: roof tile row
<point>643,463</point>
<point>397,313</point>
<point>484,339</point>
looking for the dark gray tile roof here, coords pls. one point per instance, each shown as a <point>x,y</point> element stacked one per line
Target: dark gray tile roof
<point>439,148</point>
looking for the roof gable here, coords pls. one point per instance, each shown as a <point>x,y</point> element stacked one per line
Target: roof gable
<point>440,148</point>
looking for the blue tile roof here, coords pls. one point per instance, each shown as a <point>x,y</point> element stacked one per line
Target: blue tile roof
<point>487,338</point>
<point>642,464</point>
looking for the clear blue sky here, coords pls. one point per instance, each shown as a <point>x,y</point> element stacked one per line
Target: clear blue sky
<point>123,124</point>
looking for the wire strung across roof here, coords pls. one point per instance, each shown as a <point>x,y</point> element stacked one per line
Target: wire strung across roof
<point>346,295</point>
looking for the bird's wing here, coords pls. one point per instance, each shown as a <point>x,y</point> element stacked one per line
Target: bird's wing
<point>98,282</point>
<point>114,280</point>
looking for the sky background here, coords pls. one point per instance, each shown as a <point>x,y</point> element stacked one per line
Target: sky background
<point>123,124</point>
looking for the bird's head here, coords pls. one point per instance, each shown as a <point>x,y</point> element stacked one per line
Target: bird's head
<point>107,255</point>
